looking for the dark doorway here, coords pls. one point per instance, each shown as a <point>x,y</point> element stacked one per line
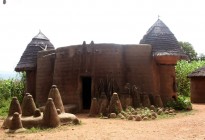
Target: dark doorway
<point>86,92</point>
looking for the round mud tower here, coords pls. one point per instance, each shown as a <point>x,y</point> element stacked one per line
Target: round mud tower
<point>94,109</point>
<point>15,122</point>
<point>146,101</point>
<point>28,106</point>
<point>115,104</point>
<point>158,101</point>
<point>14,107</point>
<point>55,95</point>
<point>50,115</point>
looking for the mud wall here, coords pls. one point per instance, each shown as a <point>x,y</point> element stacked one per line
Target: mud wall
<point>31,83</point>
<point>44,79</point>
<point>132,64</point>
<point>92,60</point>
<point>66,73</point>
<point>168,89</point>
<point>197,90</point>
<point>140,68</point>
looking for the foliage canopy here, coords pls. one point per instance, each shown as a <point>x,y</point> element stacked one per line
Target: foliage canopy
<point>183,68</point>
<point>189,50</point>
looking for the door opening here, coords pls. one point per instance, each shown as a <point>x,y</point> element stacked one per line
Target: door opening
<point>86,92</point>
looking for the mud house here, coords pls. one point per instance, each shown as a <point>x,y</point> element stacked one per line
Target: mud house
<point>197,85</point>
<point>88,70</point>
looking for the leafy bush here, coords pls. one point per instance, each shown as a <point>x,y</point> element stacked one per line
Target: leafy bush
<point>182,103</point>
<point>183,68</point>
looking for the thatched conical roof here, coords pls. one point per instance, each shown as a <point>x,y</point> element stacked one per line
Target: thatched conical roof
<point>162,40</point>
<point>198,73</point>
<point>29,58</point>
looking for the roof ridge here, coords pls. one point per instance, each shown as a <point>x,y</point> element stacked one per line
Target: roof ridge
<point>40,35</point>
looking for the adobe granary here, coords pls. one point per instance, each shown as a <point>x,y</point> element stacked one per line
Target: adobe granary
<point>87,71</point>
<point>28,60</point>
<point>197,78</point>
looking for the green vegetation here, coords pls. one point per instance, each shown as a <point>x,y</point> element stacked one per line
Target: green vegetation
<point>8,89</point>
<point>189,50</point>
<point>183,68</point>
<point>182,103</point>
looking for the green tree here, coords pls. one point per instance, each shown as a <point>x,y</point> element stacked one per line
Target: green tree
<point>189,50</point>
<point>183,68</point>
<point>201,56</point>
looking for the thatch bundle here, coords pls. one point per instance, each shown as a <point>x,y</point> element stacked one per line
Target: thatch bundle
<point>55,95</point>
<point>50,115</point>
<point>28,106</point>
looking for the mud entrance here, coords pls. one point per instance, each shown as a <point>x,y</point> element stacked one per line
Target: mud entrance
<point>86,92</point>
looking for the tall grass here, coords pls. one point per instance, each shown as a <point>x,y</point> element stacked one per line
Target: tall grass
<point>8,89</point>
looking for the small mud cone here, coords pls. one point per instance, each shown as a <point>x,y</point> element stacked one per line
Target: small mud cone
<point>15,122</point>
<point>28,106</point>
<point>102,97</point>
<point>103,108</point>
<point>94,109</point>
<point>50,115</point>
<point>103,105</point>
<point>158,101</point>
<point>14,107</point>
<point>115,104</point>
<point>55,95</point>
<point>146,101</point>
<point>24,99</point>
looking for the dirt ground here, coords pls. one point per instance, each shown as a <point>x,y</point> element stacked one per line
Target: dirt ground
<point>187,126</point>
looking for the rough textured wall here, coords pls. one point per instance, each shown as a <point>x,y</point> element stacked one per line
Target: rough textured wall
<point>123,63</point>
<point>167,82</point>
<point>140,68</point>
<point>92,60</point>
<point>31,83</point>
<point>108,62</point>
<point>197,90</point>
<point>44,79</point>
<point>66,73</point>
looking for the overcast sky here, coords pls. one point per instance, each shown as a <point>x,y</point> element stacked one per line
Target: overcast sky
<point>70,22</point>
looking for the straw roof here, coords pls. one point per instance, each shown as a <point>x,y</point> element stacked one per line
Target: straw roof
<point>198,73</point>
<point>28,60</point>
<point>162,40</point>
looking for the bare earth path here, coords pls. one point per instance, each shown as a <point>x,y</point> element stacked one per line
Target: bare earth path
<point>190,126</point>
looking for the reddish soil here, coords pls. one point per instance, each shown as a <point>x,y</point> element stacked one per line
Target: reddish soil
<point>187,126</point>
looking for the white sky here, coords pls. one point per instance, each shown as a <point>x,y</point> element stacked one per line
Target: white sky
<point>70,22</point>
